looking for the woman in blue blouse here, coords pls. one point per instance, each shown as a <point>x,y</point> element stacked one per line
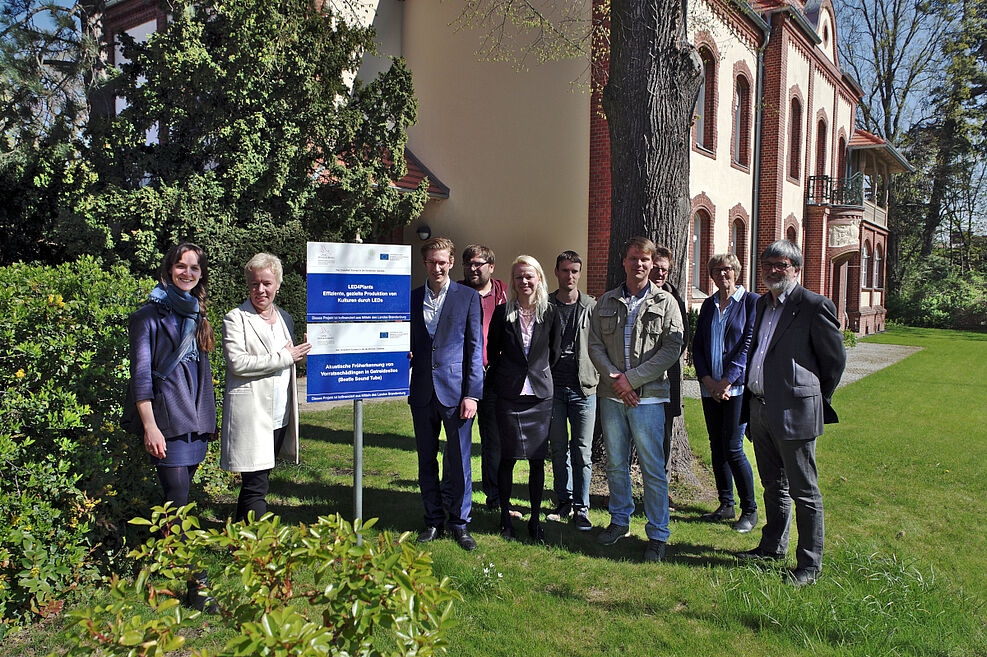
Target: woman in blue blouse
<point>719,351</point>
<point>171,402</point>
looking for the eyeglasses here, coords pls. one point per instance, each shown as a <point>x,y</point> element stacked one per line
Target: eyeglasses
<point>776,266</point>
<point>722,270</point>
<point>476,264</point>
<point>660,270</point>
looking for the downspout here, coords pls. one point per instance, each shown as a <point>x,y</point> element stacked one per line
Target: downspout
<point>756,200</point>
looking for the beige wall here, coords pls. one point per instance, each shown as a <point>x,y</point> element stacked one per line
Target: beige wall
<point>513,147</point>
<point>793,194</point>
<point>725,185</point>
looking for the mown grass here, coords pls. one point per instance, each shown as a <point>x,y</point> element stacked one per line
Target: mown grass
<point>905,571</point>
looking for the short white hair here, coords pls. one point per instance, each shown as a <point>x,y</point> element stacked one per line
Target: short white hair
<point>263,261</point>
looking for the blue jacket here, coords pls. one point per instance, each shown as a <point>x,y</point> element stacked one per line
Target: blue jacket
<point>153,335</point>
<point>451,364</point>
<point>736,339</point>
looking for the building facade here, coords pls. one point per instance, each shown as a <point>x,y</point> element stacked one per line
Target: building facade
<point>519,160</point>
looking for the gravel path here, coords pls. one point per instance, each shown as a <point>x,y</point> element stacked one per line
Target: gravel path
<point>865,358</point>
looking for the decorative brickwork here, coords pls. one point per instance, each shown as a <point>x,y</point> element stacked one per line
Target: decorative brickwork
<point>598,239</point>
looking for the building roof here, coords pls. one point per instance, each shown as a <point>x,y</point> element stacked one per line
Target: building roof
<point>416,172</point>
<point>862,140</point>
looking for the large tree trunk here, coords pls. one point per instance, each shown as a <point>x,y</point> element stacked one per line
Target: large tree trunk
<point>649,101</point>
<point>941,175</point>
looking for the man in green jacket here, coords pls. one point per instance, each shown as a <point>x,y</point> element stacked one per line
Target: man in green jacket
<point>636,336</point>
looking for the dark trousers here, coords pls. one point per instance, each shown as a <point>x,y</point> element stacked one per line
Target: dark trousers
<point>175,482</point>
<point>453,495</point>
<point>486,419</point>
<point>726,446</point>
<point>788,474</point>
<point>254,485</point>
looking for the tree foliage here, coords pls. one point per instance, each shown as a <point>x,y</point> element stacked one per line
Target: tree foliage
<point>244,129</point>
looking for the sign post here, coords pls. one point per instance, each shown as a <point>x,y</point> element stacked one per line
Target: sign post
<point>359,312</point>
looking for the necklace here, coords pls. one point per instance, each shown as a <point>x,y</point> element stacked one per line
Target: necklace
<point>269,315</point>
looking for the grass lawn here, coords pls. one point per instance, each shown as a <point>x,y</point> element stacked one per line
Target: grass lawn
<point>905,571</point>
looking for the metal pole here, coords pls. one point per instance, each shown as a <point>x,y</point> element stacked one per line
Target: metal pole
<point>358,464</point>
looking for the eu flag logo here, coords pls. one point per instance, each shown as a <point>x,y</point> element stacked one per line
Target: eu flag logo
<point>383,334</point>
<point>384,256</point>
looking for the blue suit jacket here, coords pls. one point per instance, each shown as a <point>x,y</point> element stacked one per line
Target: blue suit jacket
<point>154,335</point>
<point>451,364</point>
<point>736,339</point>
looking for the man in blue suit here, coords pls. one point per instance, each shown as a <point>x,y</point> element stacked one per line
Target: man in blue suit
<point>446,382</point>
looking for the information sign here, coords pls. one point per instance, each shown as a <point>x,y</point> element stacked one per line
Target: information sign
<point>358,282</point>
<point>358,361</point>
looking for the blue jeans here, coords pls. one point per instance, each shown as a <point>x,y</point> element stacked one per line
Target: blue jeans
<point>645,426</point>
<point>726,448</point>
<point>572,460</point>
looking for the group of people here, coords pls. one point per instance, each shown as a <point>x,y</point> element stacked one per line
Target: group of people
<point>171,403</point>
<point>534,367</point>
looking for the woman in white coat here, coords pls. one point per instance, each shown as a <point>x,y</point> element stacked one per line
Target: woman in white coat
<point>260,416</point>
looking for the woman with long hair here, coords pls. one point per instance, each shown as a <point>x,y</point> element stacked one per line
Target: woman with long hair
<point>171,401</point>
<point>523,344</point>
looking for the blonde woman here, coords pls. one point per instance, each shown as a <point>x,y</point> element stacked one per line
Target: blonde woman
<point>260,417</point>
<point>524,343</point>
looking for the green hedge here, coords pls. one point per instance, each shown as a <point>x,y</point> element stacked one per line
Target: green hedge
<point>71,476</point>
<point>938,296</point>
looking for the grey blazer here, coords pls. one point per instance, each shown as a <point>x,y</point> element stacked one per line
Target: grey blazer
<point>802,366</point>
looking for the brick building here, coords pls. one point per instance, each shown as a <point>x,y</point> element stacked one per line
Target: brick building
<point>523,157</point>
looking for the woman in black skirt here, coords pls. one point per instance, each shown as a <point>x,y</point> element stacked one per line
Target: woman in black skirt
<point>523,344</point>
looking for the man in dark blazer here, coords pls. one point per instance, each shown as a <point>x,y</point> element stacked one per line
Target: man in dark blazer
<point>446,382</point>
<point>794,364</point>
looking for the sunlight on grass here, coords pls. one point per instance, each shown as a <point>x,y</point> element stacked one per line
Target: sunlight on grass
<point>866,604</point>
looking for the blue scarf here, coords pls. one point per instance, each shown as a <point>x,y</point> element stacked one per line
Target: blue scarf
<point>186,307</point>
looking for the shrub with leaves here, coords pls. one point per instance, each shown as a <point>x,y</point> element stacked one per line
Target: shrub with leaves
<point>289,590</point>
<point>71,475</point>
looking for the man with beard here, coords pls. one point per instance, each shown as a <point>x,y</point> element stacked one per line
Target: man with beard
<point>478,268</point>
<point>793,366</point>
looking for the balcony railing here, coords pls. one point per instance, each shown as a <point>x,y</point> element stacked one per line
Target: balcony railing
<point>826,190</point>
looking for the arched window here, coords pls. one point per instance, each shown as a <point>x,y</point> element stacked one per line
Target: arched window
<point>791,235</point>
<point>795,139</point>
<point>841,159</point>
<point>738,244</point>
<point>700,250</point>
<point>741,121</point>
<point>706,102</point>
<point>878,268</point>
<point>865,266</point>
<point>821,149</point>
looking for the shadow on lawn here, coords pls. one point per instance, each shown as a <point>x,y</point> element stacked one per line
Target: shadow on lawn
<point>319,434</point>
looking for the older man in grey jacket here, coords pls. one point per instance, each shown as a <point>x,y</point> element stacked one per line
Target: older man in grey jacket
<point>636,336</point>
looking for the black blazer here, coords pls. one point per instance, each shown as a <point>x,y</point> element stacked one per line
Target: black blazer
<point>802,366</point>
<point>507,364</point>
